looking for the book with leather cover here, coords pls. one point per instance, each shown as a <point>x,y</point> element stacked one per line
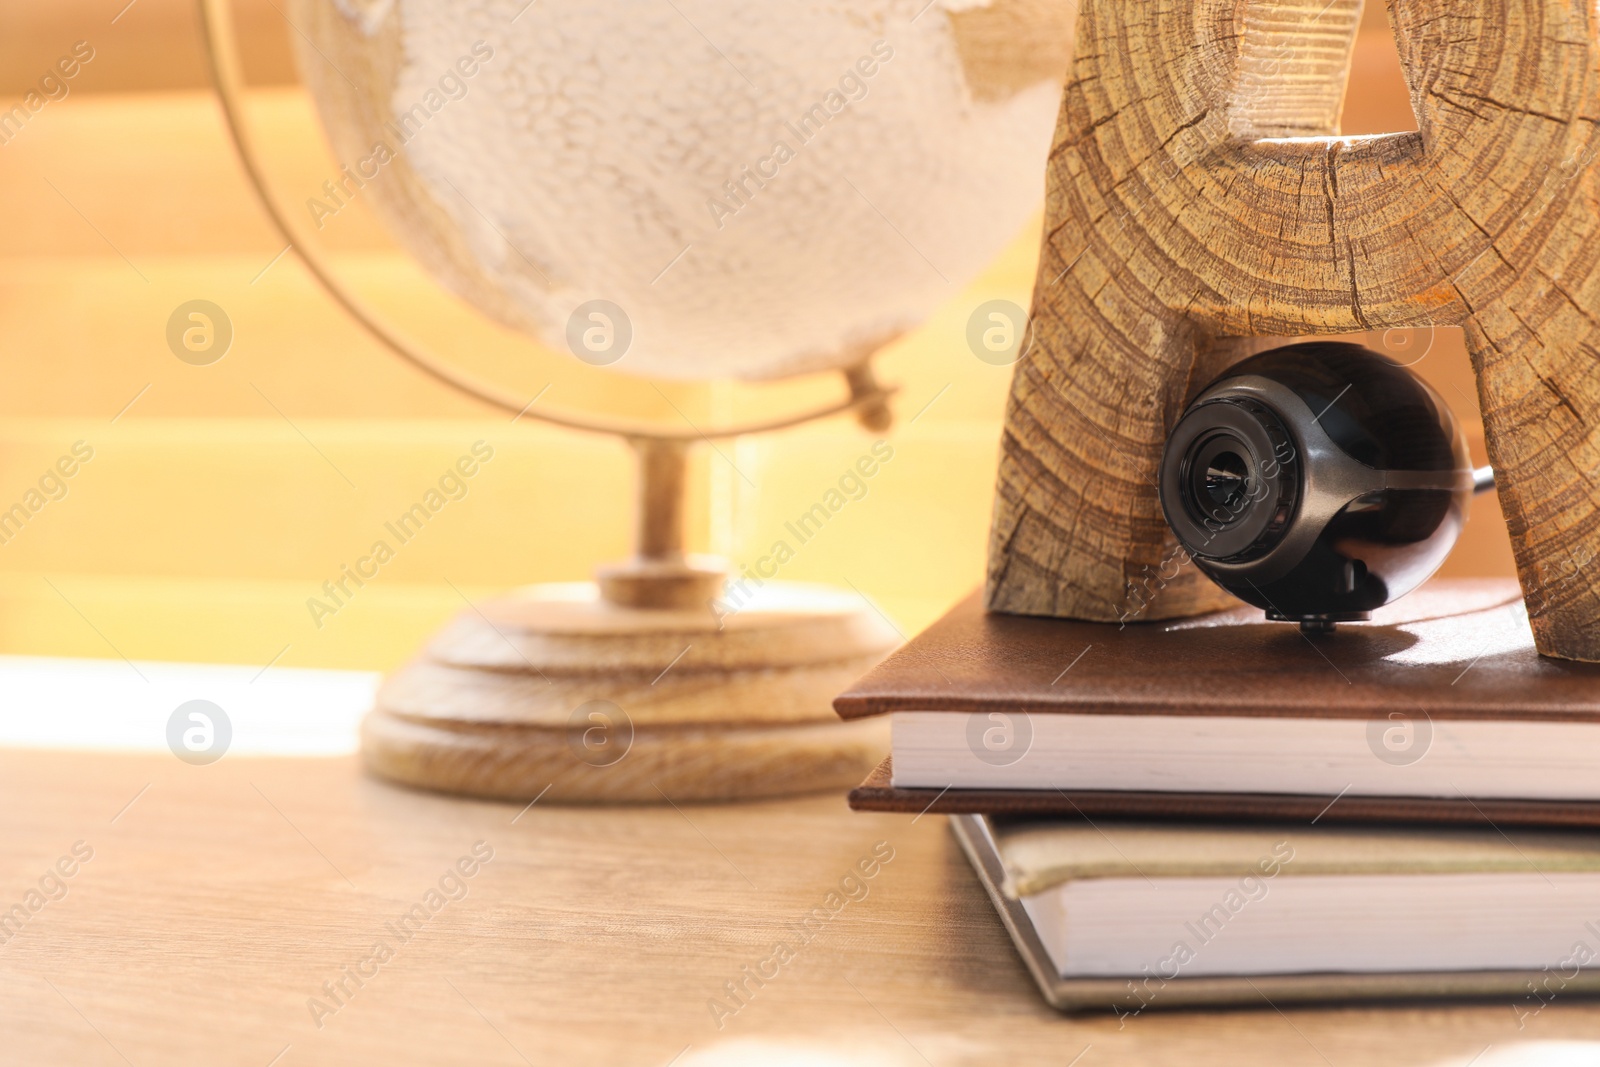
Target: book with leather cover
<point>1455,655</point>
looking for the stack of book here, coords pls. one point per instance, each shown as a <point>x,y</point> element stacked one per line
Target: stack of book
<point>1226,810</point>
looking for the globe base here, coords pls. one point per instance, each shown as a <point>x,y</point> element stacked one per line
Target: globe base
<point>556,693</point>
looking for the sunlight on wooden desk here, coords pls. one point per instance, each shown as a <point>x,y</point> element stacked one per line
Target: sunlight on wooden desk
<point>221,899</point>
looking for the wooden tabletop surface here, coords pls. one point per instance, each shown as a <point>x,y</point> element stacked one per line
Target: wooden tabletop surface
<point>220,899</point>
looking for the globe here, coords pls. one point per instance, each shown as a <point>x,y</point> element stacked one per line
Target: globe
<point>692,189</point>
<point>676,189</point>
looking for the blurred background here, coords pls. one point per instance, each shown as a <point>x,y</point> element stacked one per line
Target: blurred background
<point>219,498</point>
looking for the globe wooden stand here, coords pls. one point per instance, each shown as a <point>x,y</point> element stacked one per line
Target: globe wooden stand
<point>556,688</point>
<point>639,687</point>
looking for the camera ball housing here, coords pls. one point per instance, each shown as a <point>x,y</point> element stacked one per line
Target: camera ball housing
<point>1317,481</point>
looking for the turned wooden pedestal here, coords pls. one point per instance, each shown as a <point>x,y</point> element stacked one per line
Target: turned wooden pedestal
<point>650,685</point>
<point>555,688</point>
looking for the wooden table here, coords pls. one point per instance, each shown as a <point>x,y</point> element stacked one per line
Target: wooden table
<point>220,899</point>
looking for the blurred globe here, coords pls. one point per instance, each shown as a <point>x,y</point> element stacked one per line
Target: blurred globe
<point>693,189</point>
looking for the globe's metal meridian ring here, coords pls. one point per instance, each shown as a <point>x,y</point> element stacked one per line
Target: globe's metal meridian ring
<point>219,42</point>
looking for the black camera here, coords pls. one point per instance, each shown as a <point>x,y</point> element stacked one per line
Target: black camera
<point>1318,481</point>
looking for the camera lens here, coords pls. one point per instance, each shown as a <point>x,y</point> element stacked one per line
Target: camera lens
<point>1219,481</point>
<point>1225,479</point>
<point>1230,479</point>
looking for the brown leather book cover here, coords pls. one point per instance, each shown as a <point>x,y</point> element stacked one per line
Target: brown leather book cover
<point>1456,649</point>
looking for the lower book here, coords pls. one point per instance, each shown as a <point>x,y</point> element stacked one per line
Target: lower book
<point>1124,917</point>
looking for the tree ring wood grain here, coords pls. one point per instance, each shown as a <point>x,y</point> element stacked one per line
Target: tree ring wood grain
<point>1187,208</point>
